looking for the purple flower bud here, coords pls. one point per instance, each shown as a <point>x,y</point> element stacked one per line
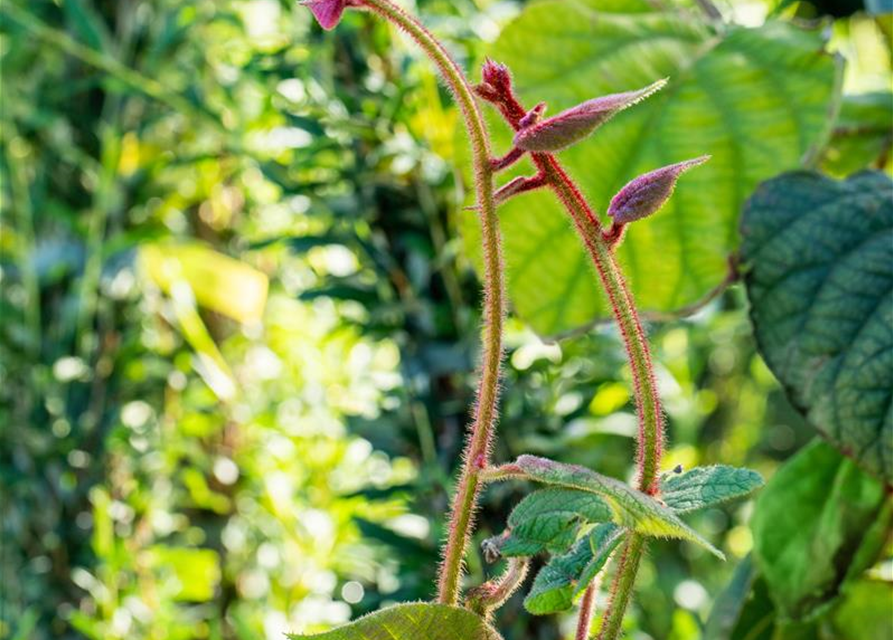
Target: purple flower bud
<point>648,193</point>
<point>328,12</point>
<point>571,126</point>
<point>497,76</point>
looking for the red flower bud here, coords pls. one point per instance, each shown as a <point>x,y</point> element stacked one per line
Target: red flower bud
<point>571,126</point>
<point>328,12</point>
<point>648,193</point>
<point>497,76</point>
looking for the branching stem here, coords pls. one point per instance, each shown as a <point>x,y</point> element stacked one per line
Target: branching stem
<point>650,431</point>
<point>477,450</point>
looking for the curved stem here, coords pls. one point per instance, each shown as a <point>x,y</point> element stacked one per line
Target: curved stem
<point>477,450</point>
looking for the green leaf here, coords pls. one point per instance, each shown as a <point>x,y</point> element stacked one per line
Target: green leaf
<point>549,519</point>
<point>417,620</point>
<point>755,99</point>
<point>704,487</point>
<point>566,576</point>
<point>809,524</point>
<point>819,261</point>
<point>632,509</point>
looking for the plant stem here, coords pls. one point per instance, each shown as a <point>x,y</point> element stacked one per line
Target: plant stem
<point>587,604</point>
<point>477,449</point>
<point>622,588</point>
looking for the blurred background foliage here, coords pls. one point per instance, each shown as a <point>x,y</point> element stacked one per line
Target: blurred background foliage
<point>239,330</point>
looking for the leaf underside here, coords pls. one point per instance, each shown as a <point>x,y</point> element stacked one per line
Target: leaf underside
<point>819,261</point>
<point>422,621</point>
<point>755,99</point>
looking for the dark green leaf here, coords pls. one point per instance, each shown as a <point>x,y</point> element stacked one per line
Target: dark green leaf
<point>819,260</point>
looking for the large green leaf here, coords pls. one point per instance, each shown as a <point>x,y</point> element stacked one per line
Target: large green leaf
<point>819,260</point>
<point>426,621</point>
<point>704,487</point>
<point>756,99</point>
<point>633,509</point>
<point>811,525</point>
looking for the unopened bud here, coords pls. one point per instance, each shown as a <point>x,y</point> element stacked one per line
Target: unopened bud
<point>648,193</point>
<point>497,76</point>
<point>573,125</point>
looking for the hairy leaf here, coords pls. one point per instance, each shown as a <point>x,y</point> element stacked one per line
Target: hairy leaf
<point>631,508</point>
<point>549,519</point>
<point>417,620</point>
<point>809,524</point>
<point>704,487</point>
<point>568,575</point>
<point>819,260</point>
<point>755,99</point>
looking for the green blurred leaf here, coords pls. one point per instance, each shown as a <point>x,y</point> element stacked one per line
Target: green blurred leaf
<point>220,283</point>
<point>730,603</point>
<point>630,508</point>
<point>418,620</point>
<point>863,135</point>
<point>197,570</point>
<point>864,611</point>
<point>819,261</point>
<point>704,487</point>
<point>756,99</point>
<point>808,526</point>
<point>567,575</point>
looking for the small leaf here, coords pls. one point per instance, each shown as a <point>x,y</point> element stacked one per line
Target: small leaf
<point>426,621</point>
<point>631,508</point>
<point>704,487</point>
<point>549,519</point>
<point>568,575</point>
<point>818,257</point>
<point>809,524</point>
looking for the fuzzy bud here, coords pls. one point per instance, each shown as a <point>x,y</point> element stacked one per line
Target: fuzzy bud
<point>328,12</point>
<point>575,124</point>
<point>648,193</point>
<point>497,76</point>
